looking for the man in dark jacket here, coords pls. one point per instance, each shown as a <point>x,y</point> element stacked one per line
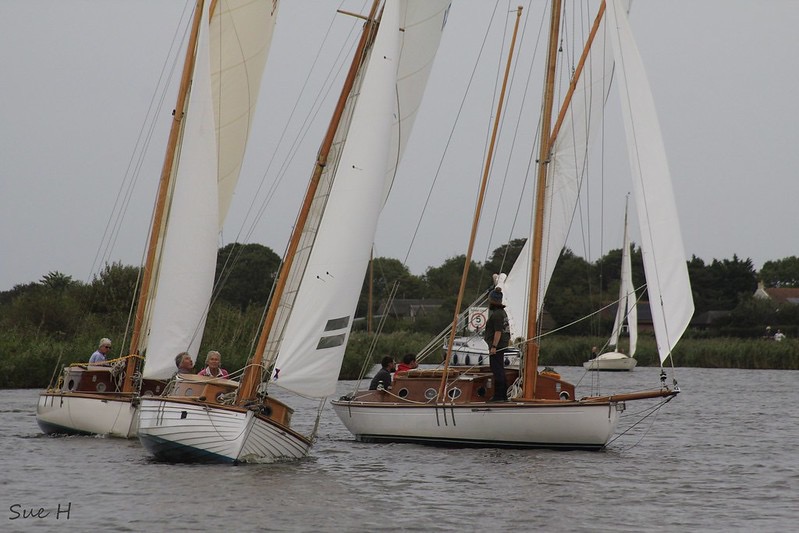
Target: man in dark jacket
<point>383,376</point>
<point>497,335</point>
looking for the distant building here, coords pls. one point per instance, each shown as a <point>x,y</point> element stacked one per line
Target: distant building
<point>780,295</point>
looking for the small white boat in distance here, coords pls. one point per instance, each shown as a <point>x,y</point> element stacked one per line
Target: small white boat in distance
<point>625,312</point>
<point>473,351</point>
<point>611,361</point>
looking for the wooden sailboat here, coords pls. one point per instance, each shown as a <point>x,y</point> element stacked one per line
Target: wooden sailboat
<point>227,48</point>
<point>307,324</point>
<point>449,406</point>
<point>626,312</point>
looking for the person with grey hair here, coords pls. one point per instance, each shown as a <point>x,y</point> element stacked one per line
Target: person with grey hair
<point>213,369</point>
<point>184,363</point>
<point>99,357</point>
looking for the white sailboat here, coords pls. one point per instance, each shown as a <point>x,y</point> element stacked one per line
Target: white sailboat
<point>450,406</point>
<point>307,324</point>
<point>225,59</point>
<point>626,312</point>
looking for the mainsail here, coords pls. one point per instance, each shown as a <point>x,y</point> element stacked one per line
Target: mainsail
<point>231,50</point>
<point>308,339</point>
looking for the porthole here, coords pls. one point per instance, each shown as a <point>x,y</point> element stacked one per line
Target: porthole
<point>565,395</point>
<point>430,393</point>
<point>467,361</point>
<point>455,359</point>
<point>183,415</point>
<point>189,392</point>
<point>100,387</point>
<point>480,360</point>
<point>481,391</point>
<point>71,384</point>
<point>403,393</point>
<point>454,393</point>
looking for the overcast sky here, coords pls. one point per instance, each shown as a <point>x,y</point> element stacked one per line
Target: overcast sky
<point>78,78</point>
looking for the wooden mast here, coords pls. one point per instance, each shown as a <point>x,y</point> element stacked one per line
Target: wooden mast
<point>531,353</point>
<point>547,142</point>
<point>252,373</point>
<point>164,185</point>
<point>478,208</point>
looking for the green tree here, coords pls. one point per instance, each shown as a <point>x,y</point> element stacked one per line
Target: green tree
<point>114,289</point>
<point>444,281</point>
<point>781,272</point>
<point>386,272</point>
<point>503,258</point>
<point>245,274</point>
<point>571,294</point>
<point>57,281</point>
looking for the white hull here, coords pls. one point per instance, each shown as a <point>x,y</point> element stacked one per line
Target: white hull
<point>75,413</point>
<point>473,351</point>
<point>180,431</point>
<point>611,361</point>
<point>507,424</point>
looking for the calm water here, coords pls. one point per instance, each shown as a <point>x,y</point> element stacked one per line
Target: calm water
<point>722,456</point>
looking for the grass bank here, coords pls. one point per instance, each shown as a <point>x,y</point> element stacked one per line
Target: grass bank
<point>31,361</point>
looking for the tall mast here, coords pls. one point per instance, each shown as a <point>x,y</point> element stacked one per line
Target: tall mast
<point>547,142</point>
<point>252,373</point>
<point>531,358</point>
<point>479,207</point>
<point>164,185</point>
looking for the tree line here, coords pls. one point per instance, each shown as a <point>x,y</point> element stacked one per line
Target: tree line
<point>58,320</point>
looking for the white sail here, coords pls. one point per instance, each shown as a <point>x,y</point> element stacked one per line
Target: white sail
<point>232,46</point>
<point>240,36</point>
<point>583,118</point>
<point>422,23</point>
<point>668,285</point>
<point>626,309</point>
<point>313,327</point>
<point>185,277</point>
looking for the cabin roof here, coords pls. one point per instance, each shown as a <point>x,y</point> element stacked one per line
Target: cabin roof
<point>778,294</point>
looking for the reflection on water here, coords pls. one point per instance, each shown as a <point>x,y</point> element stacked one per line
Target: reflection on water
<point>720,457</point>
